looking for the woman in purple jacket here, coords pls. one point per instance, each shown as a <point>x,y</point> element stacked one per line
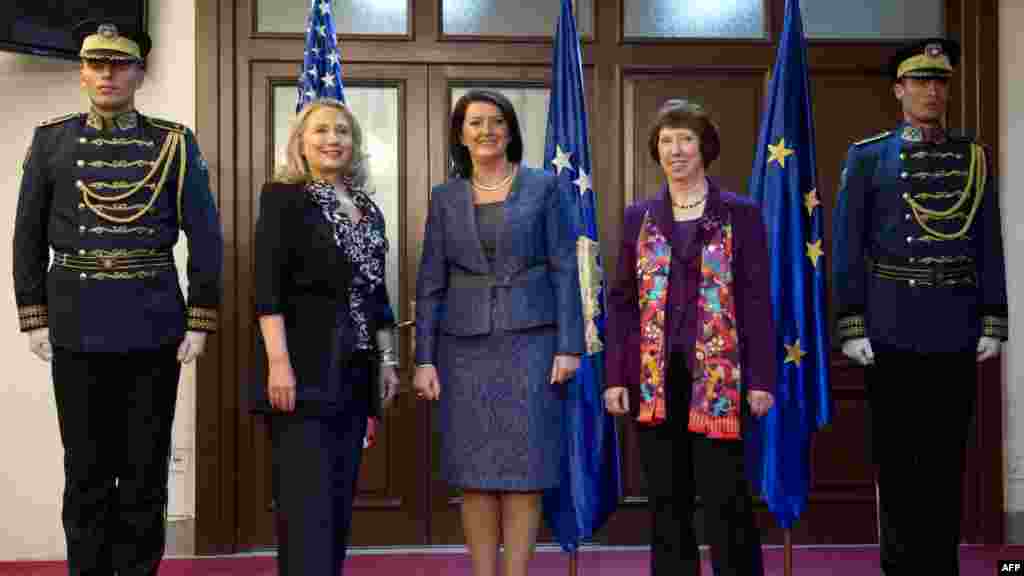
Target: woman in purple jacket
<point>690,316</point>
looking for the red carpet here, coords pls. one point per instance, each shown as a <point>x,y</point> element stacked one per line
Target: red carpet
<point>974,561</point>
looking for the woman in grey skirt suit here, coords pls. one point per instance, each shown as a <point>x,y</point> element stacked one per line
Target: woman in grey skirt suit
<point>498,329</point>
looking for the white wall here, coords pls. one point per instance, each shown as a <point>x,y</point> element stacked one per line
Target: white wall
<point>1011,121</point>
<point>31,473</point>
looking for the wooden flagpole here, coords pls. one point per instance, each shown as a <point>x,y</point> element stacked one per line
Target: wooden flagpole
<point>788,552</point>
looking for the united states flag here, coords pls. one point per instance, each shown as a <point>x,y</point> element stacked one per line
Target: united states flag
<point>321,61</point>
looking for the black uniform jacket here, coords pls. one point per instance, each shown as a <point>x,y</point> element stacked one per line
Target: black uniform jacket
<point>109,203</point>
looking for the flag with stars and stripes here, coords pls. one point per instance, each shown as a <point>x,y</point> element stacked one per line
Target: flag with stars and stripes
<point>590,485</point>
<point>321,61</point>
<point>783,182</point>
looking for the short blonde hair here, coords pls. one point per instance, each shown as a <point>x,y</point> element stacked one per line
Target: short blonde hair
<point>296,169</point>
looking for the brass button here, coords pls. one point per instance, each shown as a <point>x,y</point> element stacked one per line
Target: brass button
<point>80,163</point>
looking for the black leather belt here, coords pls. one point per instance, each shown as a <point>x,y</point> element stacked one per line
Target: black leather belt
<point>925,272</point>
<point>115,260</point>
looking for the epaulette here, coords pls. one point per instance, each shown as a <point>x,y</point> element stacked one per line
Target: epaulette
<point>874,138</point>
<point>167,125</point>
<point>59,119</point>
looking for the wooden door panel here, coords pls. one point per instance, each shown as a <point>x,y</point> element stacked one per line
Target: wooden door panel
<point>733,99</point>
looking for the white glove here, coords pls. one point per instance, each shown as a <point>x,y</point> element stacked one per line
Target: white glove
<point>859,350</point>
<point>39,343</point>
<point>988,347</point>
<point>191,346</point>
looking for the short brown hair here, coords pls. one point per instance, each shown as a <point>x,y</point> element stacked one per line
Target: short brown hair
<point>678,113</point>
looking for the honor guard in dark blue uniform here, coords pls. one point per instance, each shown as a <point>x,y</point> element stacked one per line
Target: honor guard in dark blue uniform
<point>920,290</point>
<point>107,192</point>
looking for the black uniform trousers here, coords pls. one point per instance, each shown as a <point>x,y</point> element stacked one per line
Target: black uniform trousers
<point>921,406</point>
<point>680,466</point>
<point>315,470</point>
<point>115,412</point>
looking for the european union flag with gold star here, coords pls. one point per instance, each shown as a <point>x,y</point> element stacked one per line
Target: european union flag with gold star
<point>321,61</point>
<point>784,183</point>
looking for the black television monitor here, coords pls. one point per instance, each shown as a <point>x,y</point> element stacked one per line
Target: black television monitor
<point>44,27</point>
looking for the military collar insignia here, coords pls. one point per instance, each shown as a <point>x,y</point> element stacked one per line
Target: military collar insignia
<point>124,121</point>
<point>94,120</point>
<point>926,134</point>
<point>127,120</point>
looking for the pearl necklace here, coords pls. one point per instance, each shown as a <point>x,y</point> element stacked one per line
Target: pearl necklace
<point>690,205</point>
<point>495,187</point>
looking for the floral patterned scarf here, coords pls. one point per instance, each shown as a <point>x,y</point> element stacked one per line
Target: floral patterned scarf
<point>363,243</point>
<point>715,402</point>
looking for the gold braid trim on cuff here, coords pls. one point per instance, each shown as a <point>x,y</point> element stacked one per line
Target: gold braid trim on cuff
<point>995,327</point>
<point>32,317</point>
<point>204,319</point>
<point>851,327</point>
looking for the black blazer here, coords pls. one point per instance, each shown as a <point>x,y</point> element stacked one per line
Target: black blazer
<point>301,274</point>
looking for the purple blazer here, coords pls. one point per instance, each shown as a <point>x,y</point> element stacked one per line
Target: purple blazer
<point>751,273</point>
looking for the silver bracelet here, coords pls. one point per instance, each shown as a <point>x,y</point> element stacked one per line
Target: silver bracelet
<point>388,357</point>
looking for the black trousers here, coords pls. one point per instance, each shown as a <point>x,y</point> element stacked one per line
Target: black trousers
<point>921,406</point>
<point>315,469</point>
<point>680,466</point>
<point>115,413</point>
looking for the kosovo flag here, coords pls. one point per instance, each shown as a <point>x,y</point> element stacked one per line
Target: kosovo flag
<point>590,485</point>
<point>321,61</point>
<point>783,181</point>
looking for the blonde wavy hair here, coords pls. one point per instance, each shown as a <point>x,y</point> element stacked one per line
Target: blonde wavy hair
<point>296,170</point>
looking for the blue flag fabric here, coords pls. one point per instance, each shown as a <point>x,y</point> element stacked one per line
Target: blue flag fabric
<point>321,62</point>
<point>590,484</point>
<point>783,181</point>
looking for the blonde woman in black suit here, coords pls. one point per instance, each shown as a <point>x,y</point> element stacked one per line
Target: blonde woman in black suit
<point>326,326</point>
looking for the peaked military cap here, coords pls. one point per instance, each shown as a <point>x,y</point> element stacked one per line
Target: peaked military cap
<point>928,58</point>
<point>111,40</point>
